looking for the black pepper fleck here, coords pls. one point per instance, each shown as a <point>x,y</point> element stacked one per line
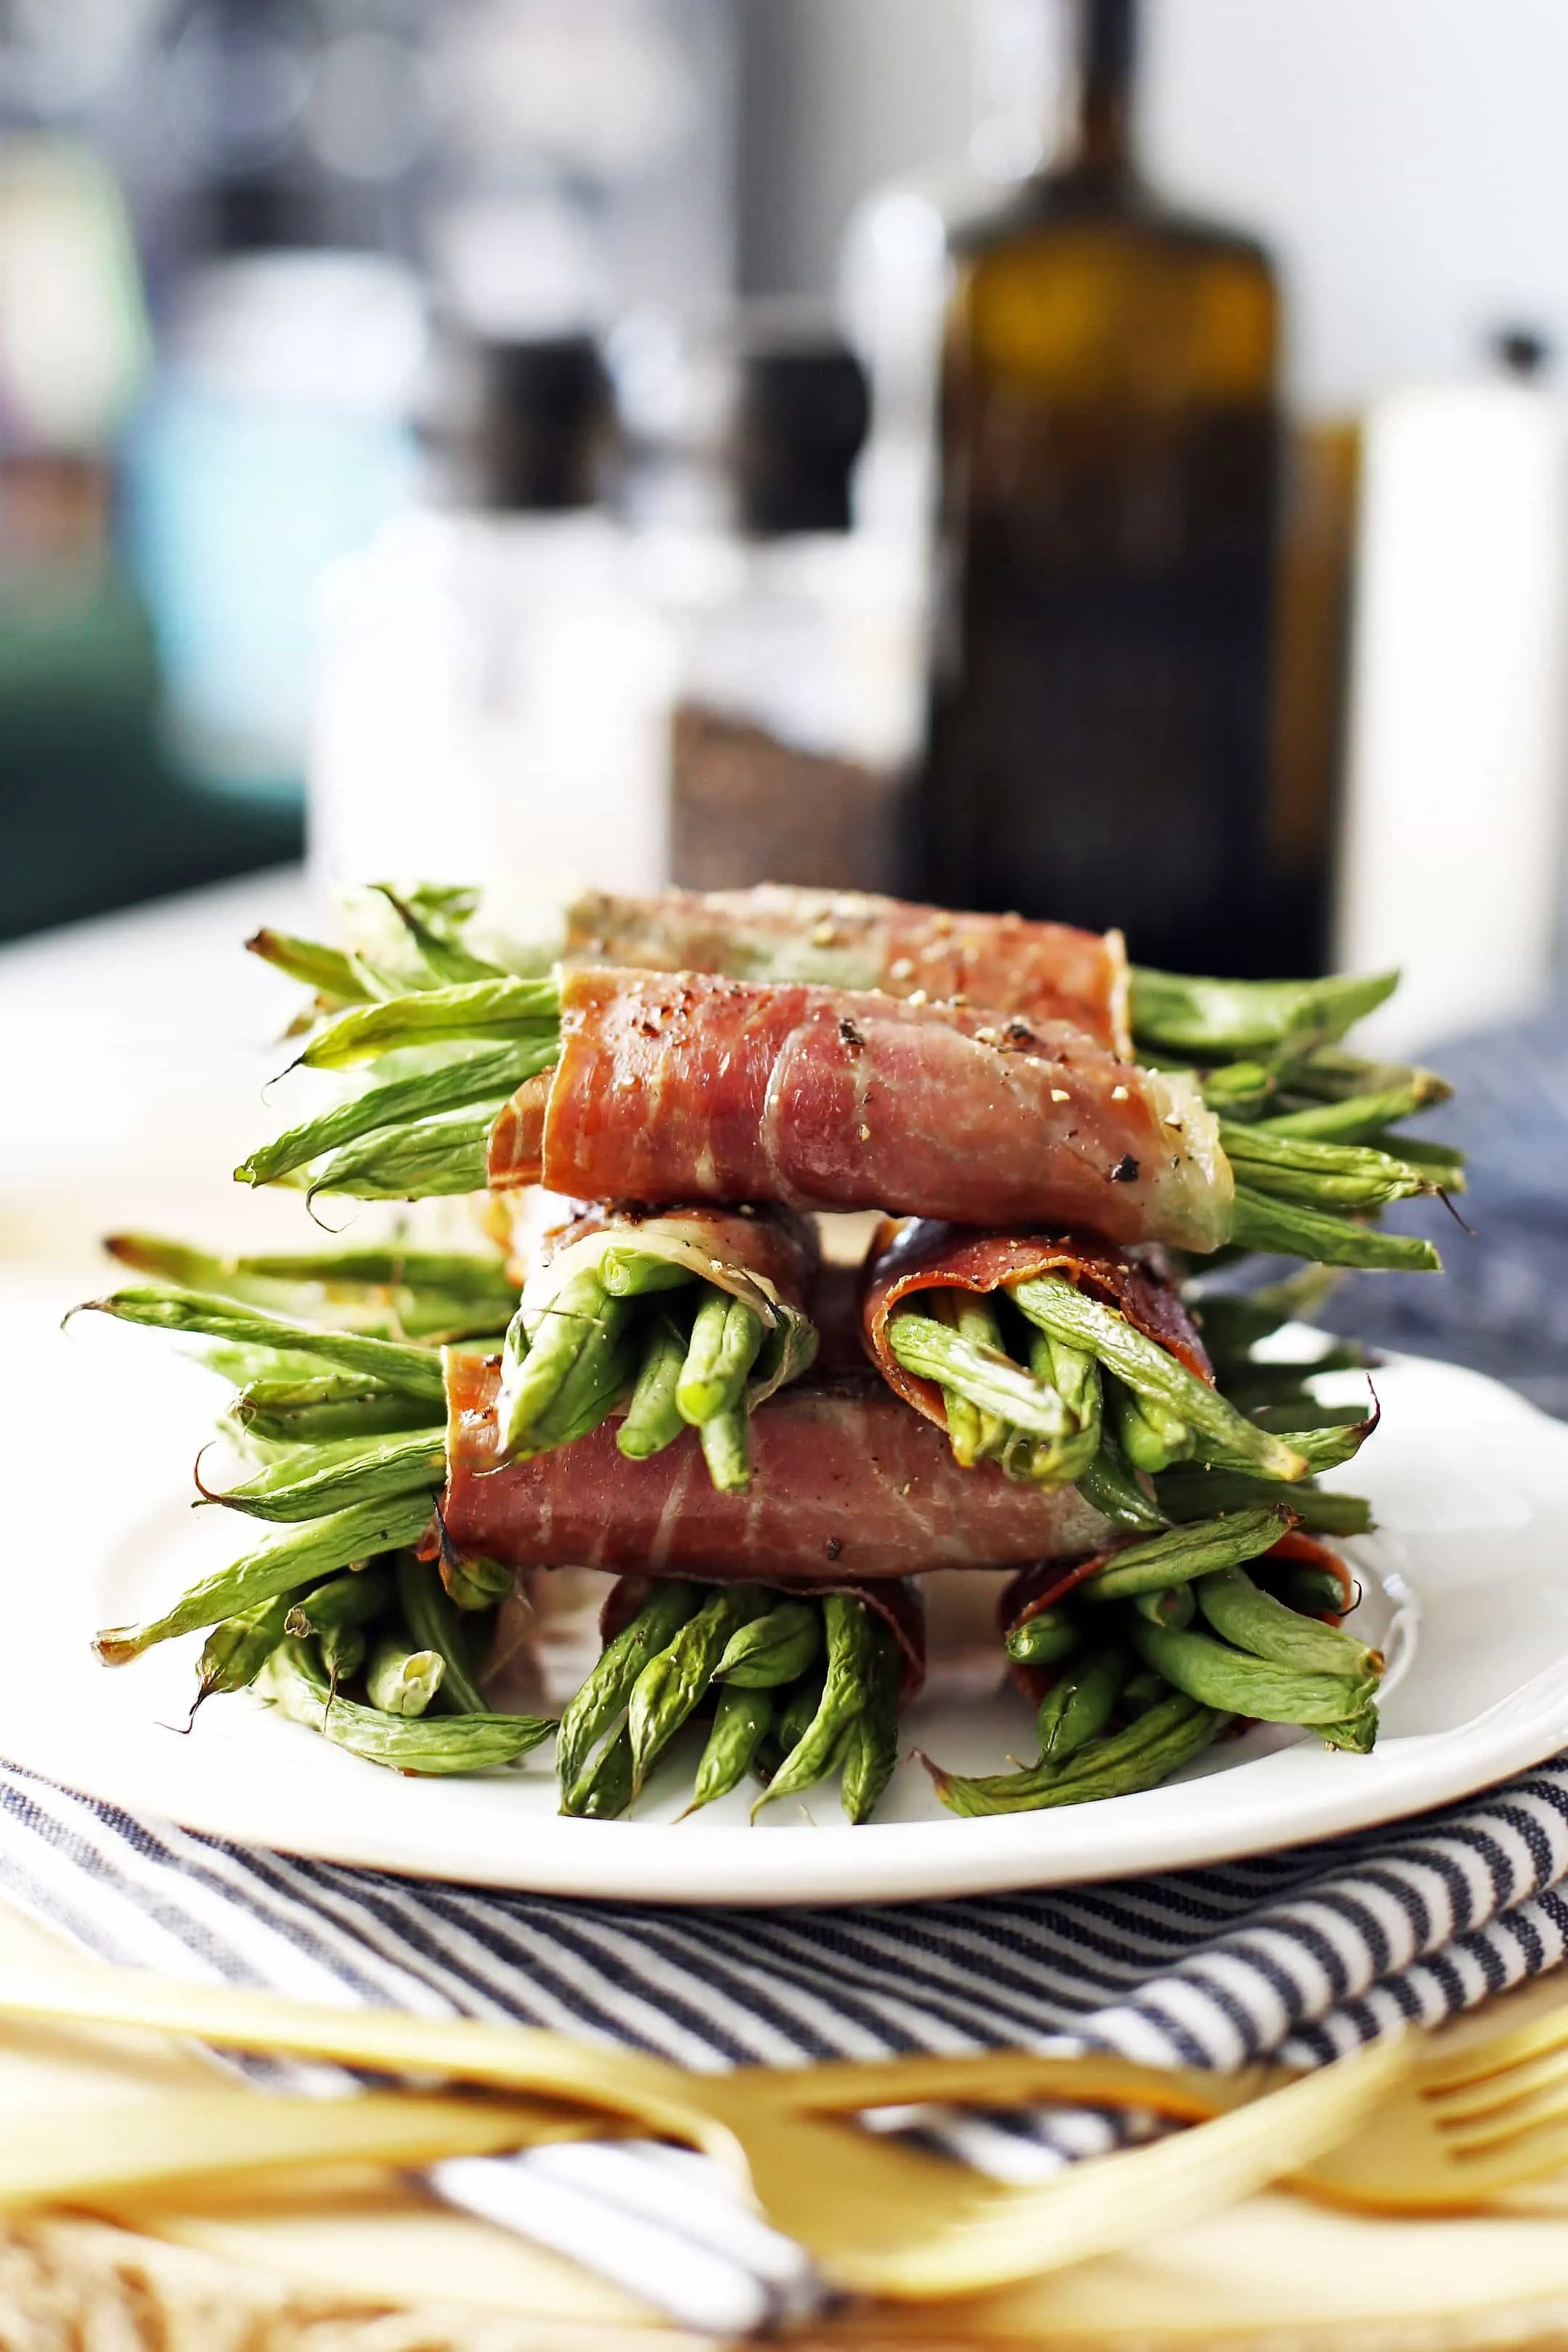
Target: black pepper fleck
<point>850,1035</point>
<point>1125,1170</point>
<point>833,1547</point>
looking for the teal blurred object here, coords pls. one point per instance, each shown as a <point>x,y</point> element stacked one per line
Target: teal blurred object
<point>94,813</point>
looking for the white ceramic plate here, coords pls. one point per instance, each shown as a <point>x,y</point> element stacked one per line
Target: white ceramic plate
<point>1466,1582</point>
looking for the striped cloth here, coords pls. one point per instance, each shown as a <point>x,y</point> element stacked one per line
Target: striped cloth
<point>1300,1954</point>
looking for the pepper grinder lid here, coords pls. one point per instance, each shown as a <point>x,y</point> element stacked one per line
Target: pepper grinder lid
<point>545,423</point>
<point>802,411</point>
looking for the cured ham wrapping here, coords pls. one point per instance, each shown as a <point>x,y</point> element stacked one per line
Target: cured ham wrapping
<point>688,1086</point>
<point>1046,971</point>
<point>847,1487</point>
<point>925,1255</point>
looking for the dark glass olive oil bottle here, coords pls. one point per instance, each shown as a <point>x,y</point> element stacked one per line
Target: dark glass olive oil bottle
<point>1111,461</point>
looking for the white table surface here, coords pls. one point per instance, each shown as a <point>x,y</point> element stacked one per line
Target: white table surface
<point>135,1049</point>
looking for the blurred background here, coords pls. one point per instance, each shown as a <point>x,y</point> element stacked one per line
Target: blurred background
<point>1097,457</point>
<point>1071,454</point>
<point>1105,458</point>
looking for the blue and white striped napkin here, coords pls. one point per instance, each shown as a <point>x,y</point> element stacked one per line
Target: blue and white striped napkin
<point>1300,1954</point>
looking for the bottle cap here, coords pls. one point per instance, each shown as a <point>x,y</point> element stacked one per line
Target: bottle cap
<point>802,411</point>
<point>545,422</point>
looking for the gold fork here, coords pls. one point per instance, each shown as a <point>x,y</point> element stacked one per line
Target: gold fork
<point>1451,2130</point>
<point>878,2215</point>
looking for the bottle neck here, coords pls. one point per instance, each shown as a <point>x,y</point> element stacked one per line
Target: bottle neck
<point>1097,128</point>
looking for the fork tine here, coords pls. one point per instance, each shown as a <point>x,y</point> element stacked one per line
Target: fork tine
<point>1532,2111</point>
<point>1477,2102</point>
<point>1457,2070</point>
<point>1531,2156</point>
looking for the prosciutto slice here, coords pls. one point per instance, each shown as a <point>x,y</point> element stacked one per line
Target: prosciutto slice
<point>847,1487</point>
<point>925,1255</point>
<point>1045,972</point>
<point>687,1086</point>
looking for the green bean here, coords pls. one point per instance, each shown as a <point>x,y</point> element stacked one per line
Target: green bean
<point>726,1441</point>
<point>1218,1677</point>
<point>1232,1322</point>
<point>669,1605</point>
<point>1228,1018</point>
<point>482,1077</point>
<point>992,1381</point>
<point>741,1724</point>
<point>1173,1606</point>
<point>1160,1742</point>
<point>1355,1119</point>
<point>447,959</point>
<point>1142,1691</point>
<point>974,1318</point>
<point>541,1347</point>
<point>325,969</point>
<point>673,1681</point>
<point>600,1377</point>
<point>1150,1437</point>
<point>627,1272</point>
<point>968,1429</point>
<point>1254,1621</point>
<point>437,1016</point>
<point>1190,1494</point>
<point>1075,1378</point>
<point>235,1649</point>
<point>343,1650</point>
<point>298,1556</point>
<point>1042,1640</point>
<point>1357,1734</point>
<point>356,1599</point>
<point>870,1752</point>
<point>846,1623</point>
<point>411,1372</point>
<point>472,1581</point>
<point>315,1412</point>
<point>774,1649</point>
<point>653,1418</point>
<point>1321,1449</point>
<point>1185,1552</point>
<point>1073,1371</point>
<point>603,1790</point>
<point>1115,1493</point>
<point>1078,1705</point>
<point>1232,1085</point>
<point>1282,1382</point>
<point>311,1480</point>
<point>1329,1073</point>
<point>1311,1591</point>
<point>1148,1369</point>
<point>296,1687</point>
<point>1294,1418</point>
<point>426,1160</point>
<point>476,1274</point>
<point>798,1711</point>
<point>1303,1168</point>
<point>726,1340</point>
<point>1284,1228</point>
<point>435,1626</point>
<point>1440,1161</point>
<point>401,1681</point>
